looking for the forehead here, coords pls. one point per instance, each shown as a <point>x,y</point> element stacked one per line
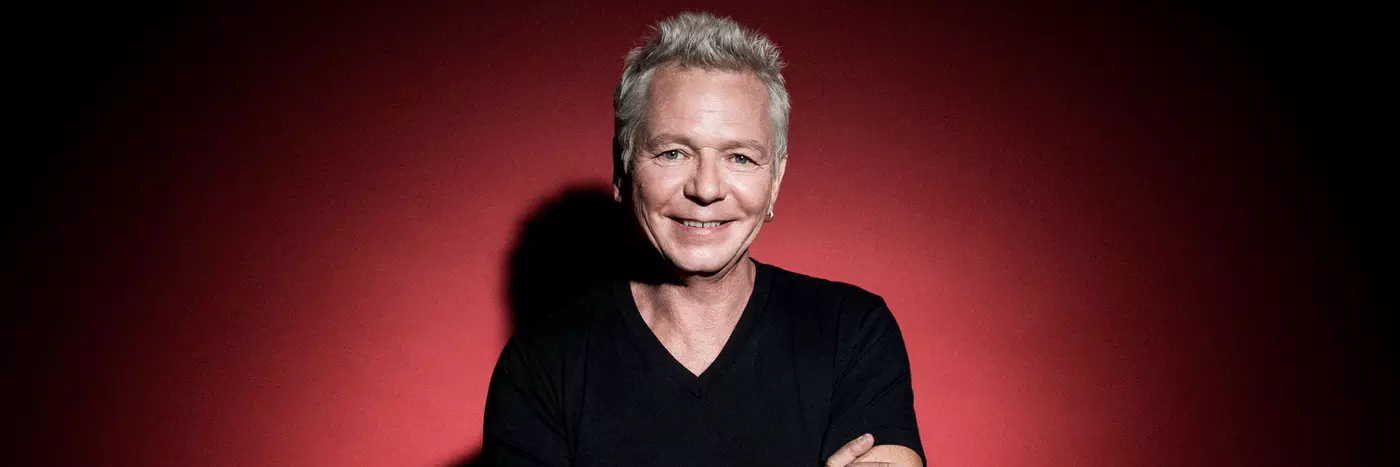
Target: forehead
<point>709,103</point>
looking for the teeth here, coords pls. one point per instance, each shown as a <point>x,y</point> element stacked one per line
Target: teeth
<point>698,224</point>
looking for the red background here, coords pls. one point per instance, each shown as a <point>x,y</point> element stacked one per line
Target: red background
<point>273,235</point>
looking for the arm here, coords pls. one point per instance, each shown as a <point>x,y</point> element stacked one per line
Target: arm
<point>524,426</point>
<point>873,392</point>
<point>892,454</point>
<point>860,452</point>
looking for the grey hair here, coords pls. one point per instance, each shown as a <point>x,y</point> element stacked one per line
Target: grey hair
<point>695,40</point>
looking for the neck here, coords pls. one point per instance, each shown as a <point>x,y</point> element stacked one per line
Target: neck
<point>693,301</point>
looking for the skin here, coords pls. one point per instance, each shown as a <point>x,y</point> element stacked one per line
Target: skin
<point>705,154</point>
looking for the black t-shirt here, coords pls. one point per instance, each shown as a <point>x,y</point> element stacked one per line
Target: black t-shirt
<point>811,365</point>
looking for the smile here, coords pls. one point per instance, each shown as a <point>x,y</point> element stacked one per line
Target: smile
<point>692,223</point>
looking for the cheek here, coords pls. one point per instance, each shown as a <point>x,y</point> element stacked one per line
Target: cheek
<point>653,187</point>
<point>753,192</point>
<point>645,193</point>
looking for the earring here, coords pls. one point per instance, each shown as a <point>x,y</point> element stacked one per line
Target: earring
<point>770,216</point>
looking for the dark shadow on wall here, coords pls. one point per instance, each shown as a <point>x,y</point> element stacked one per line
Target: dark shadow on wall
<point>568,246</point>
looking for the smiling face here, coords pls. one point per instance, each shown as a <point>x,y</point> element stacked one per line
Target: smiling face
<point>703,174</point>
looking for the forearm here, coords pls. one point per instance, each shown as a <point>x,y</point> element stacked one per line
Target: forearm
<point>894,454</point>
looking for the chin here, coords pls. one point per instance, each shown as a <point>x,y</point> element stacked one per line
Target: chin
<point>701,263</point>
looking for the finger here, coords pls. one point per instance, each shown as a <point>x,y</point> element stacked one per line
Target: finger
<point>848,453</point>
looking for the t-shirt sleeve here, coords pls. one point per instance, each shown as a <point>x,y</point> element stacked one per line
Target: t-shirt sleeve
<point>523,424</point>
<point>872,393</point>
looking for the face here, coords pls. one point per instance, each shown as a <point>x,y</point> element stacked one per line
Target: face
<point>703,176</point>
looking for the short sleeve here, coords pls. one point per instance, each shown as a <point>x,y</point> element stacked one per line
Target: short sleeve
<point>872,392</point>
<point>523,423</point>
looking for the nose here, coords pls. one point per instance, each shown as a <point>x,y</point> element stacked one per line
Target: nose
<point>706,185</point>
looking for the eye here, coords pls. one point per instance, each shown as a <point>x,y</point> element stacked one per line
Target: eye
<point>671,155</point>
<point>742,159</point>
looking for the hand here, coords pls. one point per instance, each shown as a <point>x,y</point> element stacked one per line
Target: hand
<point>847,455</point>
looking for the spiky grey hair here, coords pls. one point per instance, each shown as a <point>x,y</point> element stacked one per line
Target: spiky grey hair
<point>695,40</point>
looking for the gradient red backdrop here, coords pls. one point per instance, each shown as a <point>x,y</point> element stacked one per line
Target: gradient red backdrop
<point>279,235</point>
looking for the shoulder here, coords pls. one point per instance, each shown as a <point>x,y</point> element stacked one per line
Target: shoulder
<point>839,327</point>
<point>825,298</point>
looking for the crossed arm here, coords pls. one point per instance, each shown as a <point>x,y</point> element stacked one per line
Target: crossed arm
<point>862,452</point>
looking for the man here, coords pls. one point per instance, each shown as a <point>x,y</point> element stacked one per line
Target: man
<point>705,356</point>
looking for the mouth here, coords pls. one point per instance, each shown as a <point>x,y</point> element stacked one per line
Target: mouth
<point>699,224</point>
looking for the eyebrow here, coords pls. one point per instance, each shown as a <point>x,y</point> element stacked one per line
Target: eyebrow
<point>664,138</point>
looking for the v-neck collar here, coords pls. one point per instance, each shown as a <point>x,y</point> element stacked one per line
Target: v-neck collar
<point>656,352</point>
